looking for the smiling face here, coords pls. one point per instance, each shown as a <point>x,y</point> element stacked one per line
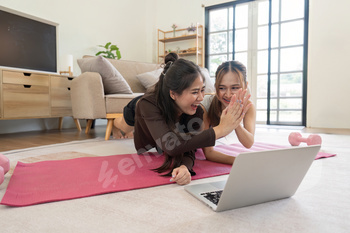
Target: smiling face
<point>229,85</point>
<point>190,98</point>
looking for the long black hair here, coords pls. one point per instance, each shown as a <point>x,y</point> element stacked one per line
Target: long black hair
<point>178,74</point>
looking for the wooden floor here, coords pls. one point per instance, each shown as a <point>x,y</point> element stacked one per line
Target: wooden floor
<point>23,140</point>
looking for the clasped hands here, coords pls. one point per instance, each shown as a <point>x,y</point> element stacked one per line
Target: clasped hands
<point>234,113</point>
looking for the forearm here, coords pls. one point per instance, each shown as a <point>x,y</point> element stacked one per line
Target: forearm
<point>174,144</point>
<point>245,133</point>
<point>245,137</point>
<point>188,161</point>
<point>216,156</point>
<point>219,133</point>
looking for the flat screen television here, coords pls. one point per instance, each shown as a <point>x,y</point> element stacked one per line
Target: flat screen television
<point>27,42</point>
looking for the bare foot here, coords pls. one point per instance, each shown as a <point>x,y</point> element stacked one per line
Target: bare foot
<point>121,129</point>
<point>129,135</point>
<point>117,133</point>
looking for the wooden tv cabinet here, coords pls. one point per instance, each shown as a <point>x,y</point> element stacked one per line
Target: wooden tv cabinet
<point>26,95</point>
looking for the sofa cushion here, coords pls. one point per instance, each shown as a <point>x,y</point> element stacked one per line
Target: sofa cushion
<point>115,103</point>
<point>113,81</point>
<point>209,86</point>
<point>129,70</point>
<point>150,78</point>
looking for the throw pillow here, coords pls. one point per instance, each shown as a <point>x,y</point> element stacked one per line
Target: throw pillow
<point>148,79</point>
<point>209,86</point>
<point>113,81</point>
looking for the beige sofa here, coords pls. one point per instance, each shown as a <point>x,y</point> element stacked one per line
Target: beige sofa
<point>89,100</point>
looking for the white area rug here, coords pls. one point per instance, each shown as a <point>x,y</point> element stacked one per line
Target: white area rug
<point>322,203</point>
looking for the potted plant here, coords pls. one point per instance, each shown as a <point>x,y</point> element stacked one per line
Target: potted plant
<point>111,51</point>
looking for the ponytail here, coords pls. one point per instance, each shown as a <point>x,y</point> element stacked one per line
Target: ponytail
<point>161,91</point>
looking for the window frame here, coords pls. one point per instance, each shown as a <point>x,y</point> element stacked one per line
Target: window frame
<point>253,69</point>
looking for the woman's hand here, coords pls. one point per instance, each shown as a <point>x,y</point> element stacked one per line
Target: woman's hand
<point>230,116</point>
<point>181,175</point>
<point>245,132</point>
<point>233,114</point>
<point>243,97</point>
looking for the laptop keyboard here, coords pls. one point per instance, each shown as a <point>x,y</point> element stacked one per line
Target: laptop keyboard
<point>213,196</point>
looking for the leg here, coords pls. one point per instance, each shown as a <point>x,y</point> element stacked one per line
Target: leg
<point>77,124</point>
<point>124,123</point>
<point>109,128</point>
<point>117,133</point>
<point>110,118</point>
<point>60,123</point>
<point>88,126</point>
<point>121,127</point>
<point>130,134</point>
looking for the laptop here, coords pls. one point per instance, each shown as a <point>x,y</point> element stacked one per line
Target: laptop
<point>258,177</point>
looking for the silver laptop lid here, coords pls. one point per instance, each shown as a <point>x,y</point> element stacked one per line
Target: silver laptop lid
<point>258,177</point>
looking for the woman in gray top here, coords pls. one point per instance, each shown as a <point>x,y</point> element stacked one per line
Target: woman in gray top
<point>230,79</point>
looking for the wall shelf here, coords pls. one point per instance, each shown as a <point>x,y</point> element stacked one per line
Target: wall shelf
<point>191,44</point>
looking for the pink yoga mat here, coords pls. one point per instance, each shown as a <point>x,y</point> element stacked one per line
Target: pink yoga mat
<point>47,181</point>
<point>237,148</point>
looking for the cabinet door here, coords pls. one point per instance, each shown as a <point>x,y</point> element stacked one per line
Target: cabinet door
<point>25,101</point>
<point>60,96</point>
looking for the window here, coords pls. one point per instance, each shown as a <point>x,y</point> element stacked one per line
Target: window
<point>270,38</point>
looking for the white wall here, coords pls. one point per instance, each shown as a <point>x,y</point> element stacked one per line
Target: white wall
<point>133,24</point>
<point>329,64</point>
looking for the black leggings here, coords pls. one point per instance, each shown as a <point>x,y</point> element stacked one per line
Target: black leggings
<point>129,111</point>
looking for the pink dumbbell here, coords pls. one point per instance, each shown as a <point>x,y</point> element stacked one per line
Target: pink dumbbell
<point>4,167</point>
<point>295,139</point>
